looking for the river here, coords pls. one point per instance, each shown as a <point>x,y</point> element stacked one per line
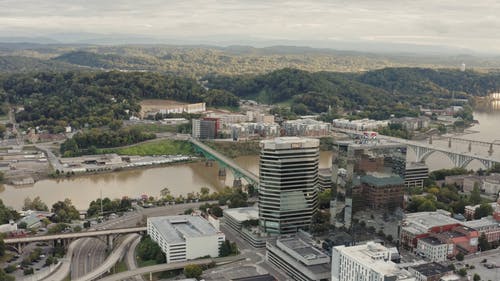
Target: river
<point>185,178</point>
<point>179,179</point>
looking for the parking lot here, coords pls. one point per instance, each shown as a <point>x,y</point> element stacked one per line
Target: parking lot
<point>480,263</point>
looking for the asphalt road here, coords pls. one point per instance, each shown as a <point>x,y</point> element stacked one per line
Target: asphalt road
<point>91,252</point>
<point>130,260</point>
<point>112,259</point>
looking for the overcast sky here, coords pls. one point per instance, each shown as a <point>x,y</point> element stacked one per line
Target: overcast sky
<point>458,23</point>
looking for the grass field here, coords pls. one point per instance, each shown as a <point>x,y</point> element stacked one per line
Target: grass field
<point>120,267</point>
<point>162,147</point>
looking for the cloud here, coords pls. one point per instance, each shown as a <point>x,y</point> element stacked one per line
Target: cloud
<point>388,21</point>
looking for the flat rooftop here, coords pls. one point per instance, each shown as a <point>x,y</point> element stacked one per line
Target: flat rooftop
<point>375,256</point>
<point>421,222</point>
<point>302,248</point>
<point>289,143</point>
<point>175,229</point>
<point>431,269</point>
<point>243,214</point>
<point>484,222</point>
<point>380,180</point>
<point>432,240</point>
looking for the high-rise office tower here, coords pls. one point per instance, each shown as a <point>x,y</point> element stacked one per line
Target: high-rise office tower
<point>288,190</point>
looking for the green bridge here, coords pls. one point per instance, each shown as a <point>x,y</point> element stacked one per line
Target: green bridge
<point>225,162</point>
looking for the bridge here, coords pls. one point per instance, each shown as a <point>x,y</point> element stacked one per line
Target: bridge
<point>225,162</point>
<point>107,236</point>
<point>169,266</point>
<point>424,150</point>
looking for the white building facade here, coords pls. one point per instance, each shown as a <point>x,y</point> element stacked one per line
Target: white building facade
<point>185,237</point>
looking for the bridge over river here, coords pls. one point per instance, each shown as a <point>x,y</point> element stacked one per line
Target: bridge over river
<point>423,150</point>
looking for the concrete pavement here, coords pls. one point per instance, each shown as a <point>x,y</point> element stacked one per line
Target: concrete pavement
<point>112,259</point>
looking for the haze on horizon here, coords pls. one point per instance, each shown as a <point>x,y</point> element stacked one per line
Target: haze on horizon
<point>459,24</point>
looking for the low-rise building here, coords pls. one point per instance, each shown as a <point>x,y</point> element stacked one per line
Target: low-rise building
<point>432,249</point>
<point>419,225</point>
<point>491,184</point>
<point>366,262</point>
<point>298,258</point>
<point>359,125</point>
<point>185,237</point>
<point>470,210</point>
<point>245,221</point>
<point>415,174</point>
<point>487,226</point>
<point>430,271</point>
<point>306,128</point>
<point>412,123</point>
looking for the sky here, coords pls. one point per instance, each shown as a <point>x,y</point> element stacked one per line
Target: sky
<point>465,24</point>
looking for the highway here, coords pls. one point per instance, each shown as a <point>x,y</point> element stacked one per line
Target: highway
<point>166,266</point>
<point>74,235</point>
<point>89,254</point>
<point>63,271</point>
<point>130,260</point>
<point>112,259</point>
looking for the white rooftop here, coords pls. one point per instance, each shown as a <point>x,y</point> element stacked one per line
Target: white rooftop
<point>175,229</point>
<point>376,257</point>
<point>483,222</point>
<point>421,222</point>
<point>289,143</point>
<point>243,214</point>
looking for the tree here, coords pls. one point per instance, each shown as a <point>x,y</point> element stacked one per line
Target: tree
<point>5,276</point>
<point>36,204</point>
<point>484,245</point>
<point>193,271</point>
<point>462,272</point>
<point>460,257</point>
<point>476,277</point>
<point>65,211</point>
<point>2,247</point>
<point>475,195</point>
<point>483,210</point>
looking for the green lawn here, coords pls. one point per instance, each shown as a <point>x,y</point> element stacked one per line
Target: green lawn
<point>141,263</point>
<point>162,147</point>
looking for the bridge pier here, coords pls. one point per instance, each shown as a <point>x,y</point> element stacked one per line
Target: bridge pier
<point>430,139</point>
<point>490,151</point>
<point>237,183</point>
<point>209,163</point>
<point>222,172</point>
<point>109,242</point>
<point>449,142</point>
<point>470,146</point>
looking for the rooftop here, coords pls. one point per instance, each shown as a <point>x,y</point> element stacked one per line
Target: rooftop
<point>421,222</point>
<point>484,222</point>
<point>243,214</point>
<point>431,269</point>
<point>380,180</point>
<point>175,229</point>
<point>432,240</point>
<point>289,143</point>
<point>374,256</point>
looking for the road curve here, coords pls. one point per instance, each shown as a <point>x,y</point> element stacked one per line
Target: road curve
<point>63,271</point>
<point>112,259</point>
<point>130,259</point>
<point>166,266</point>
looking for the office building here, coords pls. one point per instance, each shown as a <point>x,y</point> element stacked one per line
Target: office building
<point>378,191</point>
<point>206,128</point>
<point>432,249</point>
<point>355,159</point>
<point>366,262</point>
<point>185,237</point>
<point>325,178</point>
<point>288,191</point>
<point>415,174</point>
<point>297,257</point>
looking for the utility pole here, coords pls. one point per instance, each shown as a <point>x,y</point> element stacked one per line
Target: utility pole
<point>101,204</point>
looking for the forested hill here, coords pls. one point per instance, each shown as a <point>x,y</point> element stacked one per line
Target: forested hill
<point>378,89</point>
<point>54,100</point>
